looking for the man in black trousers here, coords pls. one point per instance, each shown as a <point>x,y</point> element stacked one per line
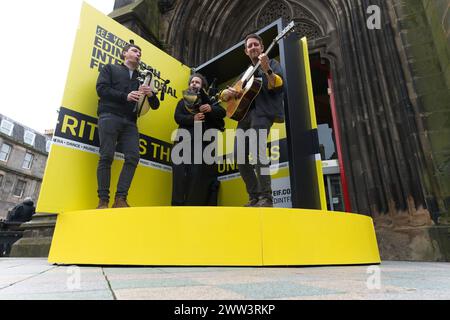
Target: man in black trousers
<point>119,89</point>
<point>192,183</point>
<point>265,109</point>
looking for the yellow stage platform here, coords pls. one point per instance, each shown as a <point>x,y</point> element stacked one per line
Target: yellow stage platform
<point>213,236</point>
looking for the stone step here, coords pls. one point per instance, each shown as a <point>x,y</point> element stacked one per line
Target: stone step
<point>37,237</point>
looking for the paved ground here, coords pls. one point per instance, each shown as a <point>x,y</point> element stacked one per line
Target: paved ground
<point>36,279</point>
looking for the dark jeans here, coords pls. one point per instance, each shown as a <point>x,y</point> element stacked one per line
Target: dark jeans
<point>115,130</point>
<point>257,180</point>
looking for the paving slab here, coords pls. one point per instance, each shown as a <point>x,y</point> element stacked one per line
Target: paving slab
<point>35,278</point>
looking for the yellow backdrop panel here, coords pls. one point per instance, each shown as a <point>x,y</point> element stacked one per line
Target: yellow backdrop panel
<point>69,181</point>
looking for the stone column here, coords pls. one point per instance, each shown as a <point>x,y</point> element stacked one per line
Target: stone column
<point>141,17</point>
<point>422,35</point>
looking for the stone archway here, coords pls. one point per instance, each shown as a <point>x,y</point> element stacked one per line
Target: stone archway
<point>381,154</point>
<point>227,22</point>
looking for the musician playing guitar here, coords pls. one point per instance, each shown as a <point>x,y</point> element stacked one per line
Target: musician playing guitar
<point>265,109</point>
<point>119,90</point>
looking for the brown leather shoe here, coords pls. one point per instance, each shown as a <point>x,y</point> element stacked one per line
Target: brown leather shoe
<point>120,202</point>
<point>264,202</point>
<point>251,203</point>
<point>103,204</point>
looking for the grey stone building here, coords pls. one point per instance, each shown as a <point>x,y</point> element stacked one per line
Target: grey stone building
<point>23,155</point>
<point>382,66</point>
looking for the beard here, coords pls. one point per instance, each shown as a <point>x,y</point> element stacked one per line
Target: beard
<point>254,57</point>
<point>194,89</point>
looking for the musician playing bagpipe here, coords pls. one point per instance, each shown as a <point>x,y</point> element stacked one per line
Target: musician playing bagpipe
<point>193,182</point>
<point>119,91</point>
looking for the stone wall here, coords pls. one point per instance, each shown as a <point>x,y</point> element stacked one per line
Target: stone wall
<point>438,16</point>
<point>421,28</point>
<point>141,17</point>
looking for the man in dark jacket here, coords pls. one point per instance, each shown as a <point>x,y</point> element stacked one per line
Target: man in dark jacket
<point>266,109</point>
<point>119,89</point>
<point>192,182</point>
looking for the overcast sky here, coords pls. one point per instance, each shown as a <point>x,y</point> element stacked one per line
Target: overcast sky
<point>37,38</point>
